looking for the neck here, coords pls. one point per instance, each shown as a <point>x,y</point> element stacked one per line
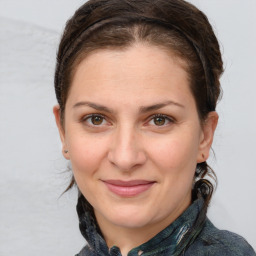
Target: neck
<point>127,238</point>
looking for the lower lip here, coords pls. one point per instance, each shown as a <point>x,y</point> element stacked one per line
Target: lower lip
<point>129,191</point>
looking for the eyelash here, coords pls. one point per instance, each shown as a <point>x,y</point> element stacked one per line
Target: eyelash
<point>167,118</point>
<point>151,118</point>
<point>86,118</point>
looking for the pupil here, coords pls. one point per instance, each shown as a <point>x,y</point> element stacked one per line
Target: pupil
<point>159,120</point>
<point>96,120</point>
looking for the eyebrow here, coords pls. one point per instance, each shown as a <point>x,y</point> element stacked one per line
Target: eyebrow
<point>142,109</point>
<point>159,105</point>
<point>93,105</point>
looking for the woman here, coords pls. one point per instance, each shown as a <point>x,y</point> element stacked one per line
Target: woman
<point>137,84</point>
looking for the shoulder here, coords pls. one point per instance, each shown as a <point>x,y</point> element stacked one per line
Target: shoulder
<point>213,241</point>
<point>86,251</point>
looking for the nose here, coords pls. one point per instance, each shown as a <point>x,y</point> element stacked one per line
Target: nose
<point>126,150</point>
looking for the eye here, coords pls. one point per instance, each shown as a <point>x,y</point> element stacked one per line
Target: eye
<point>95,120</point>
<point>160,120</point>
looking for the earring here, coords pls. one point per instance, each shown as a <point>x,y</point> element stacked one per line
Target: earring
<point>66,151</point>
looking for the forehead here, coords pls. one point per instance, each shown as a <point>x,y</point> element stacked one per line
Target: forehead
<point>140,71</point>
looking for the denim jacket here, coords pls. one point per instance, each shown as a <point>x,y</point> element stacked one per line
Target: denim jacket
<point>174,240</point>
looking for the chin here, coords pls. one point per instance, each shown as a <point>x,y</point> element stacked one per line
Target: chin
<point>130,218</point>
<point>131,221</point>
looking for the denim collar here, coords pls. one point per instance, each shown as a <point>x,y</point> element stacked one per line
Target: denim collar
<point>167,242</point>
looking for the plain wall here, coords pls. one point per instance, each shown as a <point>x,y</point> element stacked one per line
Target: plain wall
<point>34,219</point>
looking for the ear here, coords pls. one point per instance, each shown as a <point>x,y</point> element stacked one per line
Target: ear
<point>57,114</point>
<point>208,129</point>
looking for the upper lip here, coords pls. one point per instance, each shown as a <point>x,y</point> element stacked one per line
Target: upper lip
<point>129,183</point>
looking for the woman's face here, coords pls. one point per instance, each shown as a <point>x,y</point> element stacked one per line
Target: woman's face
<point>133,135</point>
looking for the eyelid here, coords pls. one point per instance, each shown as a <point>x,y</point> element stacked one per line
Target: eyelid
<point>86,117</point>
<point>92,115</point>
<point>149,119</point>
<point>170,119</point>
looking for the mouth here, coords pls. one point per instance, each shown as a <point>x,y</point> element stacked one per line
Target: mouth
<point>128,188</point>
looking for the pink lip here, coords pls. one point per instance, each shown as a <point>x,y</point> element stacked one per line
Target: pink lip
<point>128,188</point>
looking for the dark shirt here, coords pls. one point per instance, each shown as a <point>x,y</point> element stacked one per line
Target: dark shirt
<point>207,240</point>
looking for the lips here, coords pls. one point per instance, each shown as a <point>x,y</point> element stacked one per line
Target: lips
<point>128,188</point>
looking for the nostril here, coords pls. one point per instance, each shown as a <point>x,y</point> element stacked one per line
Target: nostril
<point>126,161</point>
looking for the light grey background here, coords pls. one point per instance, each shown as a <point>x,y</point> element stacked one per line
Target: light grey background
<point>34,219</point>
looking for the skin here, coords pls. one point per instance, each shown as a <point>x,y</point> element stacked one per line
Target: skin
<point>127,143</point>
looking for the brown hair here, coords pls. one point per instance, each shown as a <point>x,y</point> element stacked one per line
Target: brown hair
<point>174,25</point>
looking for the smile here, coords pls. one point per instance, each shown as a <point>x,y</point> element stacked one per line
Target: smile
<point>128,188</point>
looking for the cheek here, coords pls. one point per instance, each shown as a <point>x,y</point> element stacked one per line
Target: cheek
<point>86,154</point>
<point>177,153</point>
